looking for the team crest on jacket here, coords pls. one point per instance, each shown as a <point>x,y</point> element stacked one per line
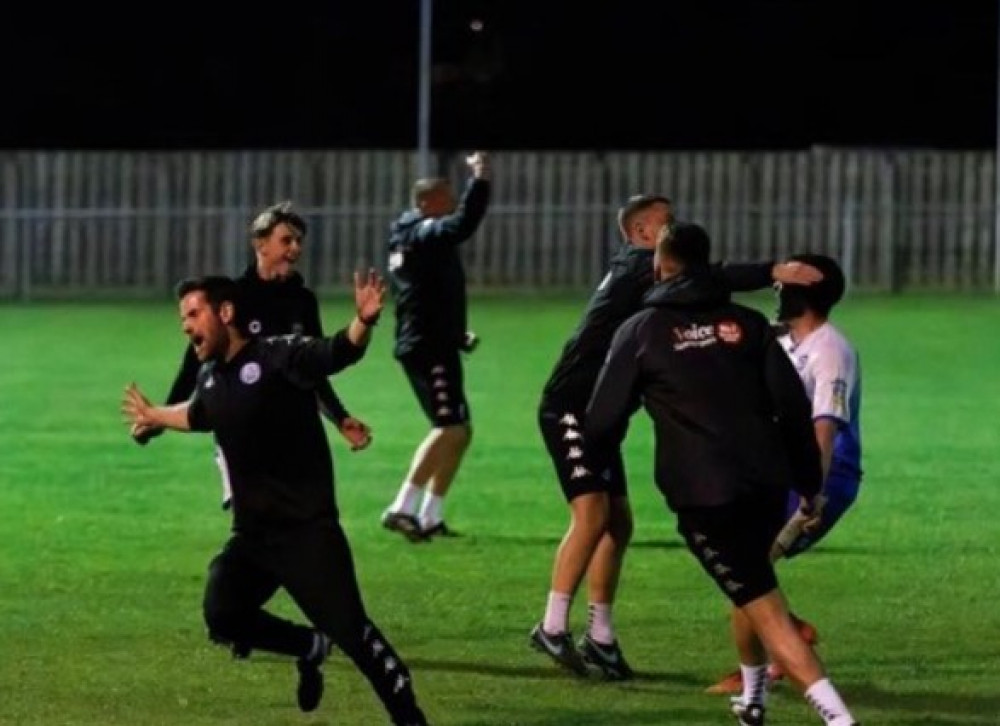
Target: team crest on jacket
<point>255,327</point>
<point>730,332</point>
<point>250,373</point>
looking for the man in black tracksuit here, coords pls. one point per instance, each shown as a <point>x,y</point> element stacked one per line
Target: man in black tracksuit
<point>275,301</point>
<point>428,284</point>
<point>601,518</point>
<point>258,397</point>
<point>733,432</point>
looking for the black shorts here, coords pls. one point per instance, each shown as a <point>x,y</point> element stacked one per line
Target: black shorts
<point>436,378</point>
<point>574,461</point>
<point>733,544</point>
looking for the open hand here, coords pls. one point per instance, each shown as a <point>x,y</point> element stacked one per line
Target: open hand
<point>138,410</point>
<point>369,295</point>
<point>795,273</point>
<point>479,163</point>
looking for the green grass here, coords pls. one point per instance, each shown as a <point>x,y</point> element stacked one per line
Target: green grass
<point>103,545</point>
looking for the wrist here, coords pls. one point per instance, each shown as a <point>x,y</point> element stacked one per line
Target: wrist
<point>369,322</point>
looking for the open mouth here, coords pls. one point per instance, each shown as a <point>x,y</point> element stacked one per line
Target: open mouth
<point>197,342</point>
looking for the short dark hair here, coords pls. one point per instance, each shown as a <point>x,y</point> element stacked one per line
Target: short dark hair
<point>217,289</point>
<point>636,204</point>
<point>423,187</point>
<point>821,296</point>
<point>687,243</point>
<point>281,213</point>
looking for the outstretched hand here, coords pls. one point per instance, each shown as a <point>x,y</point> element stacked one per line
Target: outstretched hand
<point>369,296</point>
<point>795,273</point>
<point>138,410</point>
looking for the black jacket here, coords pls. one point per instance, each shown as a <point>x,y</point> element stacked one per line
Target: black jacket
<point>730,415</point>
<point>618,296</point>
<point>261,406</point>
<point>267,308</point>
<point>426,273</point>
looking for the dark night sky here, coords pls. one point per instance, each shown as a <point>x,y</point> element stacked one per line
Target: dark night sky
<point>541,74</point>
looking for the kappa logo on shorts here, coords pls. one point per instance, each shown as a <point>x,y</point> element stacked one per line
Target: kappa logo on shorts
<point>390,664</point>
<point>444,411</point>
<point>579,472</point>
<point>569,419</point>
<point>575,452</point>
<point>401,682</point>
<point>442,396</point>
<point>250,373</point>
<point>733,586</point>
<point>721,569</point>
<point>437,370</point>
<point>572,435</point>
<point>440,383</point>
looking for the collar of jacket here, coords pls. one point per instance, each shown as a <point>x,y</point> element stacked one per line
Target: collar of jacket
<point>693,288</point>
<point>250,276</point>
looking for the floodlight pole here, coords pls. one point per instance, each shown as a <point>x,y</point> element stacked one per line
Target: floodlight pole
<point>424,112</point>
<point>996,176</point>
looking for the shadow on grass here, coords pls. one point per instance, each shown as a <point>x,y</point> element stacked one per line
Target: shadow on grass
<point>642,681</point>
<point>937,709</point>
<point>542,716</point>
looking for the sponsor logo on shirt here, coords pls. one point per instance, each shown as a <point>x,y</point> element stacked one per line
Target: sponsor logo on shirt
<point>694,336</point>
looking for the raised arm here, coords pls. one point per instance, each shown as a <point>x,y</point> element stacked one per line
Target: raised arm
<point>329,402</point>
<point>307,362</point>
<point>461,224</point>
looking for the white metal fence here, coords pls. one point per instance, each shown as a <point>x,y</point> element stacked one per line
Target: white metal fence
<point>130,223</point>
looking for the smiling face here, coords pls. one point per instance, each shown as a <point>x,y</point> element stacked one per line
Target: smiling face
<point>278,252</point>
<point>205,327</point>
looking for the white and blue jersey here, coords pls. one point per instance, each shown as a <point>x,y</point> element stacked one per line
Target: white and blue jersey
<point>831,373</point>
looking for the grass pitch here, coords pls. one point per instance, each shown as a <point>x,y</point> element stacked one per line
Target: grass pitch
<point>105,545</point>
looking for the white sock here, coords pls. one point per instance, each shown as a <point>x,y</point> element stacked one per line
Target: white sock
<point>599,623</point>
<point>407,500</point>
<point>557,613</point>
<point>754,684</point>
<point>824,698</point>
<point>430,510</point>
